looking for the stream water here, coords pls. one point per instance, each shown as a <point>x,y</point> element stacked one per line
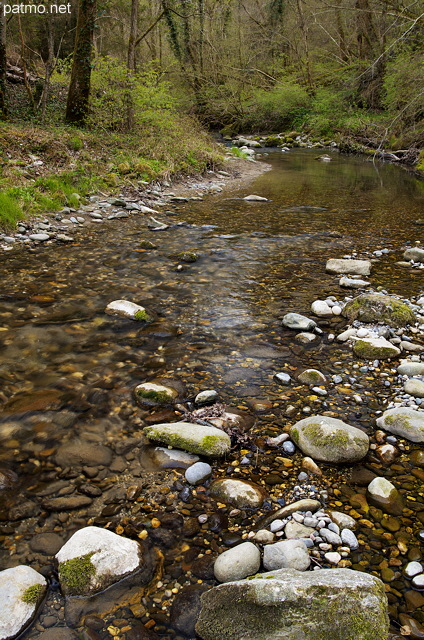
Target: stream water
<point>67,372</point>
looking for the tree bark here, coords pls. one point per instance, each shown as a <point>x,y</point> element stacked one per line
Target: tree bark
<point>79,88</point>
<point>132,42</point>
<point>3,61</point>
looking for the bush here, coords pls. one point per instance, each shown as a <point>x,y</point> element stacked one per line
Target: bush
<point>327,111</point>
<point>283,107</point>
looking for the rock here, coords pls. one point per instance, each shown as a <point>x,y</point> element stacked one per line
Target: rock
<point>153,395</point>
<point>298,322</point>
<point>172,458</point>
<point>93,559</point>
<point>353,283</point>
<point>66,503</point>
<point>415,628</point>
<point>320,308</point>
<point>254,198</point>
<point>375,349</point>
<point>413,569</point>
<point>126,309</point>
<point>329,439</point>
<point>185,609</point>
<point>80,453</point>
<point>349,539</point>
<point>414,253</point>
<point>238,493</point>
<point>295,530</point>
<point>198,473</point>
<point>186,256</point>
<point>342,520</point>
<point>39,237</point>
<point>287,554</point>
<point>311,466</point>
<point>411,347</point>
<point>415,387</point>
<point>46,543</point>
<point>292,605</point>
<point>237,563</point>
<point>8,478</point>
<point>355,267</point>
<point>312,376</point>
<point>384,495</point>
<point>263,536</point>
<point>206,397</point>
<point>283,378</point>
<point>195,438</point>
<point>330,536</point>
<point>307,504</point>
<point>333,557</point>
<point>418,582</point>
<point>376,307</point>
<point>305,337</point>
<point>403,422</point>
<point>21,592</point>
<point>410,368</point>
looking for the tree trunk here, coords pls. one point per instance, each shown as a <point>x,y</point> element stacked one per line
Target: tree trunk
<point>3,65</point>
<point>49,66</point>
<point>79,88</point>
<point>132,42</point>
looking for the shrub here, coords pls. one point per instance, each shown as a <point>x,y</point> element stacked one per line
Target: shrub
<point>10,211</point>
<point>283,107</point>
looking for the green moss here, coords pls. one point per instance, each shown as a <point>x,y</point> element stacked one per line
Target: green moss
<point>33,594</point>
<point>146,244</point>
<point>369,352</point>
<point>314,433</point>
<point>185,256</point>
<point>141,316</point>
<point>272,141</point>
<point>294,434</point>
<point>398,421</point>
<point>371,307</point>
<point>75,575</point>
<point>161,397</point>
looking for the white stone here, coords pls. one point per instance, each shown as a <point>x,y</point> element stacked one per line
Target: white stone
<point>353,283</point>
<point>348,538</point>
<point>15,614</point>
<point>198,472</point>
<point>413,569</point>
<point>415,387</point>
<point>41,237</point>
<point>263,536</point>
<point>113,556</point>
<point>333,557</point>
<point>356,267</point>
<point>381,488</point>
<point>124,308</point>
<point>287,554</point>
<point>404,422</point>
<point>345,335</point>
<point>336,310</point>
<point>298,322</point>
<point>207,396</point>
<point>237,563</point>
<point>277,525</point>
<point>418,581</point>
<point>254,198</point>
<point>320,308</point>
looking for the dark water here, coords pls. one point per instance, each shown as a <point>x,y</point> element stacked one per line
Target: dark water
<point>67,370</point>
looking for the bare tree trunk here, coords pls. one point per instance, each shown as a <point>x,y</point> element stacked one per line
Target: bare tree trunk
<point>49,66</point>
<point>304,30</point>
<point>3,60</point>
<point>79,88</point>
<point>132,42</point>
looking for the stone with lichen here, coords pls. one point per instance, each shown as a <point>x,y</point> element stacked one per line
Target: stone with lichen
<point>195,438</point>
<point>22,590</point>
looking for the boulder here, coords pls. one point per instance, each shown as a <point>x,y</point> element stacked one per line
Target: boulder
<point>341,604</point>
<point>93,559</point>
<point>195,438</point>
<point>354,267</point>
<point>287,554</point>
<point>414,253</point>
<point>329,439</point>
<point>375,349</point>
<point>237,563</point>
<point>403,422</point>
<point>410,368</point>
<point>22,590</point>
<point>298,322</point>
<point>384,495</point>
<point>415,387</point>
<point>127,309</point>
<point>376,307</point>
<point>238,493</point>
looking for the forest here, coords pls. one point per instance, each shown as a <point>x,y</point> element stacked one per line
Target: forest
<point>147,79</point>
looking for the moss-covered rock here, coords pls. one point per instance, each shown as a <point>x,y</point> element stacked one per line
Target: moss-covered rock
<point>329,440</point>
<point>127,309</point>
<point>147,244</point>
<point>195,438</point>
<point>22,590</point>
<point>340,604</point>
<point>185,256</point>
<point>376,307</point>
<point>272,141</point>
<point>403,422</point>
<point>375,348</point>
<point>152,394</point>
<point>312,376</point>
<point>94,558</point>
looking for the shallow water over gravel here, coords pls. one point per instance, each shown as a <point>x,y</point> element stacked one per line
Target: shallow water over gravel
<point>67,371</point>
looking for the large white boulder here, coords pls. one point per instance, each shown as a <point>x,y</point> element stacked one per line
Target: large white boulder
<point>21,591</point>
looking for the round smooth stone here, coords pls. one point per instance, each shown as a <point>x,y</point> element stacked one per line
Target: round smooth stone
<point>418,581</point>
<point>413,569</point>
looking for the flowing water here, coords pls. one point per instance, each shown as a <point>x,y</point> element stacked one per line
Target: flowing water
<point>67,370</point>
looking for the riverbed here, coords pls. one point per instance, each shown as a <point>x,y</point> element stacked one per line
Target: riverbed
<point>68,372</point>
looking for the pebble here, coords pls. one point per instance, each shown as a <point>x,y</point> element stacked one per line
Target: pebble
<point>198,473</point>
<point>333,557</point>
<point>413,569</point>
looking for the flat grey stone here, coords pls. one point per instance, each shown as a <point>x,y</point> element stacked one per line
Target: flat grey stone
<point>404,422</point>
<point>354,267</point>
<point>289,554</point>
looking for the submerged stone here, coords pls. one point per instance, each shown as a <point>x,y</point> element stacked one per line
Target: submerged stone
<point>195,438</point>
<point>384,495</point>
<point>340,604</point>
<point>312,376</point>
<point>152,394</point>
<point>329,439</point>
<point>298,322</point>
<point>127,309</point>
<point>376,307</point>
<point>21,591</point>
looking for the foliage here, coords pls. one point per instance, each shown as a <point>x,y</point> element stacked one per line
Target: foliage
<point>283,107</point>
<point>10,211</point>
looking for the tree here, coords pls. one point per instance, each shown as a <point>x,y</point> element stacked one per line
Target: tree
<point>79,88</point>
<point>3,62</point>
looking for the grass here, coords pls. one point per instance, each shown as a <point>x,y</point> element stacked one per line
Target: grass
<point>44,169</point>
